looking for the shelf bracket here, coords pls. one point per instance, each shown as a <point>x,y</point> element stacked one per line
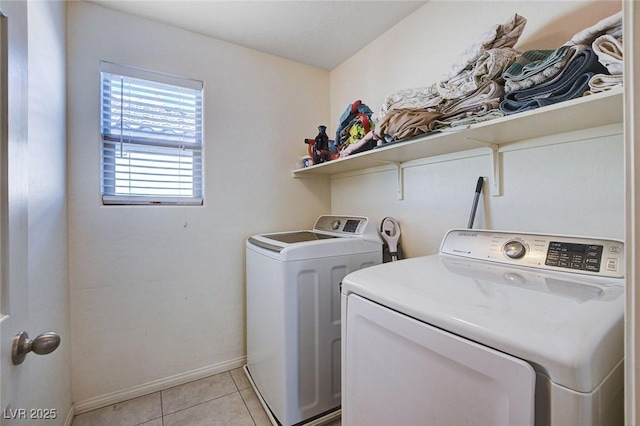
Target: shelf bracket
<point>399,176</point>
<point>496,185</point>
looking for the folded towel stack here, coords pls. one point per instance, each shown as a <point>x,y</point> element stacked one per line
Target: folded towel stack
<point>492,79</point>
<point>588,63</point>
<point>471,87</point>
<point>571,83</point>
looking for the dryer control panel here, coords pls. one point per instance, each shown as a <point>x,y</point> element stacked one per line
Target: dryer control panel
<point>593,256</point>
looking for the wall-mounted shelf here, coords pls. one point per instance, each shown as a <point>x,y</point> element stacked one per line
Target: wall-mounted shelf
<point>577,114</point>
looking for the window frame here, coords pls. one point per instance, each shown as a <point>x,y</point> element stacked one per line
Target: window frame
<point>108,177</point>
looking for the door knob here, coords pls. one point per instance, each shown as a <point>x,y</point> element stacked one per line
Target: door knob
<point>41,345</point>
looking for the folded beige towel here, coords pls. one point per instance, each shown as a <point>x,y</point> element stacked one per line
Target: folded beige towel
<point>406,123</point>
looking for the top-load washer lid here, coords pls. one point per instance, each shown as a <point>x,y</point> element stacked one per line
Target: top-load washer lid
<point>568,326</point>
<point>330,236</point>
<point>300,237</point>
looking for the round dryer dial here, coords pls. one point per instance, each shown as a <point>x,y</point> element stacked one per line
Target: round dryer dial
<point>515,249</point>
<point>335,224</point>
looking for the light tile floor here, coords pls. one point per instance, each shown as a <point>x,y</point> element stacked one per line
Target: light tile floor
<point>226,399</point>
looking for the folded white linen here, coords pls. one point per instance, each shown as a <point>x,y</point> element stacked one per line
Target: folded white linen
<point>487,97</point>
<point>489,66</point>
<point>603,82</point>
<point>419,97</point>
<point>505,35</point>
<point>611,25</point>
<point>609,50</point>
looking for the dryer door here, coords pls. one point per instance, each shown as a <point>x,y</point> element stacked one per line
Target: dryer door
<point>402,371</point>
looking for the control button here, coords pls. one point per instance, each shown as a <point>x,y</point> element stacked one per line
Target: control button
<point>612,264</point>
<point>614,250</point>
<point>335,224</point>
<point>514,249</point>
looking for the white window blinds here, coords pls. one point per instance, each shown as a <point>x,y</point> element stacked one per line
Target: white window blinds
<point>151,137</point>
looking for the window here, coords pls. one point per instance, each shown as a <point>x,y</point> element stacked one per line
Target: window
<point>151,137</point>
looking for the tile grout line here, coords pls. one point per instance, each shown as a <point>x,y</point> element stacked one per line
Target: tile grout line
<point>236,391</point>
<point>145,421</point>
<point>243,400</point>
<point>161,410</point>
<point>201,403</point>
<point>247,407</point>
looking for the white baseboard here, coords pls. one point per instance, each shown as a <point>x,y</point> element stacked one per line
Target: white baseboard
<point>70,415</point>
<point>94,403</point>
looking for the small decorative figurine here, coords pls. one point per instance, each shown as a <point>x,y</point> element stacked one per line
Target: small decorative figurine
<point>321,151</point>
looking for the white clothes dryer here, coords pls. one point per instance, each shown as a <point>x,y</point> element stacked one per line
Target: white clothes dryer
<point>499,328</point>
<point>293,314</point>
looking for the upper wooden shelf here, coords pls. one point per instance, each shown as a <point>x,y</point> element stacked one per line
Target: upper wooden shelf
<point>577,114</point>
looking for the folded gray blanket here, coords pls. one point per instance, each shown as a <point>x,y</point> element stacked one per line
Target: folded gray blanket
<point>572,83</point>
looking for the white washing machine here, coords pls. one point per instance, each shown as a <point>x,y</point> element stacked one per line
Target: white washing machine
<point>499,328</point>
<point>293,314</point>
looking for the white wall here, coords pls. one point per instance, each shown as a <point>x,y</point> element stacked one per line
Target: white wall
<point>157,293</point>
<point>573,184</point>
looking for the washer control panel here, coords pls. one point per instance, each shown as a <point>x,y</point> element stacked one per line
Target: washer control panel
<point>593,256</point>
<point>353,225</point>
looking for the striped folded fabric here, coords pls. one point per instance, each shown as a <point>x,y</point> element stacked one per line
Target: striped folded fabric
<point>529,59</point>
<point>541,71</point>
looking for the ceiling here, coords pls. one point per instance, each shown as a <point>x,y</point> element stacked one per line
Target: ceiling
<point>319,33</point>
